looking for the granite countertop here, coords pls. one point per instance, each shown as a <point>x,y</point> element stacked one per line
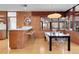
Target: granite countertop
<point>23,28</point>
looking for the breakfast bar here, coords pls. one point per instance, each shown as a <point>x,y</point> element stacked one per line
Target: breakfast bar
<point>17,37</point>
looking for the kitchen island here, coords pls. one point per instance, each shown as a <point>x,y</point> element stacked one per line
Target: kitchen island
<point>17,37</point>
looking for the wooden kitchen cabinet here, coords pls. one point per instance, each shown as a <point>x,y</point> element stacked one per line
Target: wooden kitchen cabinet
<point>2,34</point>
<point>17,39</point>
<point>74,37</point>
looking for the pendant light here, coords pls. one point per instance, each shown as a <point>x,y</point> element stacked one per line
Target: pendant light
<point>54,15</point>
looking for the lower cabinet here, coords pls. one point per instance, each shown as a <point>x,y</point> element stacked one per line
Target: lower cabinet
<point>17,39</point>
<point>2,34</point>
<point>74,37</point>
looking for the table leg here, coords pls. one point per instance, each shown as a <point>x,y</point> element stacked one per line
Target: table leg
<point>68,43</point>
<point>44,38</point>
<point>50,44</point>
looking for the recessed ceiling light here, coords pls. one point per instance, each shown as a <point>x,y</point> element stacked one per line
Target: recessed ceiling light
<point>25,5</point>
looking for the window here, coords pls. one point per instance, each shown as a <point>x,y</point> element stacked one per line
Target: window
<point>12,20</point>
<point>76,23</point>
<point>45,23</point>
<point>12,23</point>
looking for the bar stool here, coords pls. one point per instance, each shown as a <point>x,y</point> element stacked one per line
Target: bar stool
<point>31,35</point>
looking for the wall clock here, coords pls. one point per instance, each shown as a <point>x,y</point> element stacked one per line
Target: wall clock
<point>27,20</point>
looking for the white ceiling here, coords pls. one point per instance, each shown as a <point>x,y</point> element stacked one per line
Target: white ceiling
<point>35,7</point>
<point>77,8</point>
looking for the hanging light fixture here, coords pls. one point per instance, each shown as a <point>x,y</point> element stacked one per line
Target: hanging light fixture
<point>54,15</point>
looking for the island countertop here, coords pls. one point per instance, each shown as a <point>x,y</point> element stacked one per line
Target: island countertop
<point>18,37</point>
<point>23,28</point>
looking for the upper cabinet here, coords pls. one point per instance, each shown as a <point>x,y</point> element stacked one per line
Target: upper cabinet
<point>3,16</point>
<point>3,20</point>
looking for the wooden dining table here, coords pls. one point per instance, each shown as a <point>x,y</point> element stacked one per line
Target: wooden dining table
<point>57,35</point>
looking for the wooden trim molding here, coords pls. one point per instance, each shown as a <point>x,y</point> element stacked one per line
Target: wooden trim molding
<point>6,26</point>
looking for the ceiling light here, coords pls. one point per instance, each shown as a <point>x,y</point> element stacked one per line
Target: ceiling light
<point>54,15</point>
<point>25,5</point>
